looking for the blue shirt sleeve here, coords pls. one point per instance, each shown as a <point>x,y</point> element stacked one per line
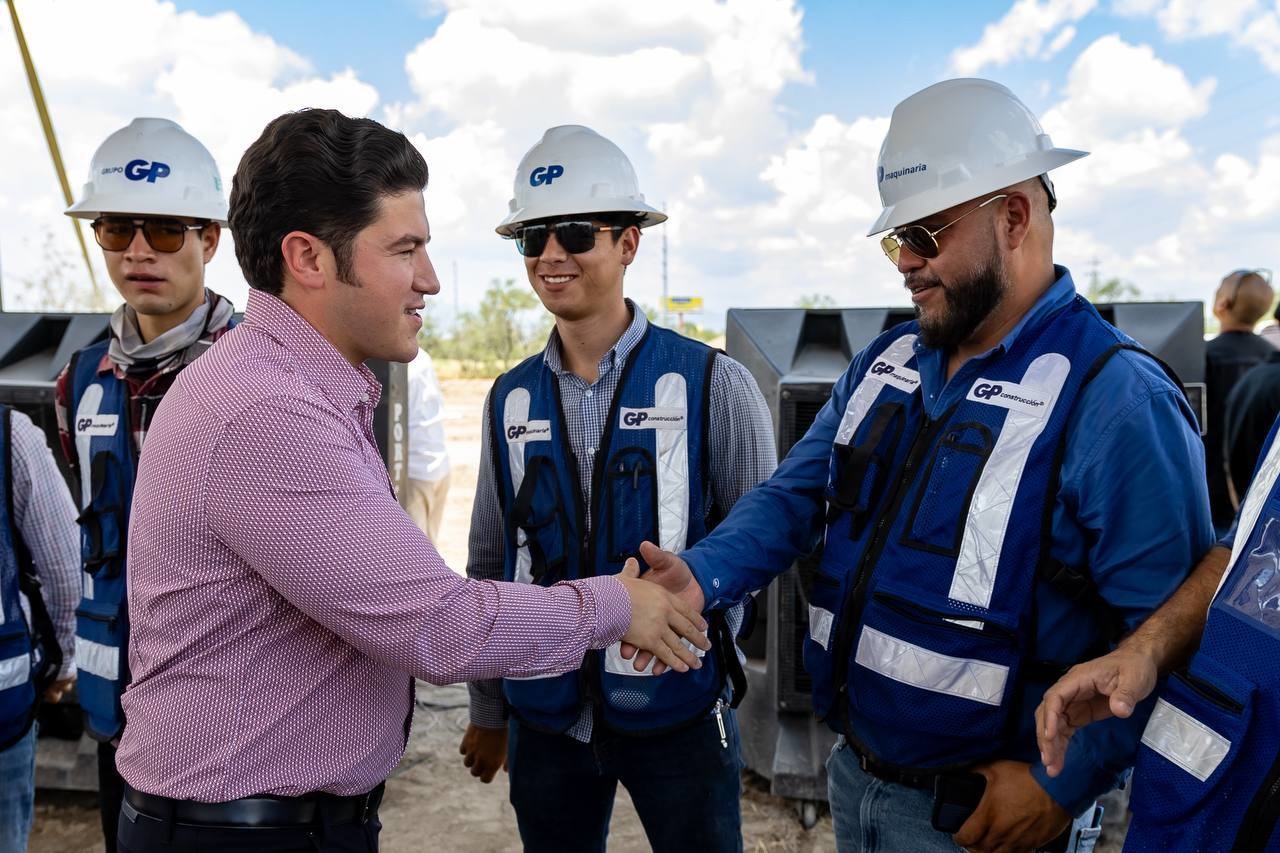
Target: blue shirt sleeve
<point>780,519</point>
<point>1134,508</point>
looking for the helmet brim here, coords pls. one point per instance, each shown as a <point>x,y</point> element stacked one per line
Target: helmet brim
<point>920,205</point>
<point>92,208</point>
<point>647,215</point>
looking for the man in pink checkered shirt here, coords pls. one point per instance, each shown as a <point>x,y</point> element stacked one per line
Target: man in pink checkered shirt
<point>280,599</point>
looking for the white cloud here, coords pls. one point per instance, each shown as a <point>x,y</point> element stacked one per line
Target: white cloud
<point>1020,34</point>
<point>1245,22</point>
<point>1197,18</point>
<point>1262,35</point>
<point>212,74</point>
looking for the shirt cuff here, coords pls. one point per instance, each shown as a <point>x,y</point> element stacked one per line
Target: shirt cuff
<point>1079,784</point>
<point>487,708</point>
<point>612,606</point>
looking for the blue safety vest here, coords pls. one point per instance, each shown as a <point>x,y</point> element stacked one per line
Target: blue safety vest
<point>28,659</point>
<point>922,612</point>
<point>649,482</point>
<point>98,411</point>
<point>1208,770</point>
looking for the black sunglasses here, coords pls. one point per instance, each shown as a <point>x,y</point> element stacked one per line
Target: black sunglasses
<point>115,233</point>
<point>574,236</point>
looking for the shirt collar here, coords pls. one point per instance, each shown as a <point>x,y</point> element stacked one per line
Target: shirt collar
<point>1059,294</point>
<point>553,358</point>
<point>341,382</point>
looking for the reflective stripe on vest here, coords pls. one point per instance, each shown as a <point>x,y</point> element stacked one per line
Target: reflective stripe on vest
<point>1184,740</point>
<point>989,510</point>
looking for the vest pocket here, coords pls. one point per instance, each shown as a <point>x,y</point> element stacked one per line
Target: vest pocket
<point>631,514</point>
<point>101,664</point>
<point>17,692</point>
<point>915,670</point>
<point>942,503</point>
<point>857,471</point>
<point>1190,742</point>
<point>824,604</point>
<point>538,512</point>
<point>102,524</point>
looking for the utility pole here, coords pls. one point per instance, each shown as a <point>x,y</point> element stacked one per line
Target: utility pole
<point>455,296</point>
<point>37,95</point>
<point>665,319</point>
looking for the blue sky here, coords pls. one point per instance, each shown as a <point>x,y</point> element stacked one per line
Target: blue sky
<point>757,122</point>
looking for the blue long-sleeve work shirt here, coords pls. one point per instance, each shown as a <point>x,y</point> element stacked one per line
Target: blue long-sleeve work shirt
<point>1132,509</point>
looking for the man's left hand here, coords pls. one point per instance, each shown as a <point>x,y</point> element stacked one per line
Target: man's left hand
<point>1015,813</point>
<point>55,691</point>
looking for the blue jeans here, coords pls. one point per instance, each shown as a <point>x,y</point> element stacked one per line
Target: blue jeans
<point>686,787</point>
<point>17,793</point>
<point>871,815</point>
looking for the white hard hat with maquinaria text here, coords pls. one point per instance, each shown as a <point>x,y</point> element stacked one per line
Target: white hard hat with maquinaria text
<point>574,170</point>
<point>955,141</point>
<point>152,167</point>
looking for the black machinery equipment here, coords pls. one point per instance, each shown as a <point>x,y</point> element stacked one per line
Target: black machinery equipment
<point>796,355</point>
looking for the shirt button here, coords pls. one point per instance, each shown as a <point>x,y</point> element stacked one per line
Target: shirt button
<point>591,451</point>
<point>589,392</point>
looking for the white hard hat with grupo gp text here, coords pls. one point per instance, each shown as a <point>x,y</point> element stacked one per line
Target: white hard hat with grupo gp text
<point>955,141</point>
<point>574,170</point>
<point>152,167</point>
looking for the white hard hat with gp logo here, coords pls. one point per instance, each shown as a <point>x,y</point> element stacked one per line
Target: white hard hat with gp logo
<point>956,141</point>
<point>152,167</point>
<point>573,171</point>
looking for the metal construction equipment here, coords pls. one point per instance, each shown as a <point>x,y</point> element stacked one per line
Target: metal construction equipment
<point>796,355</point>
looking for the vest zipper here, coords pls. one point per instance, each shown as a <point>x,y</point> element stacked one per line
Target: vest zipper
<point>855,600</point>
<point>1260,820</point>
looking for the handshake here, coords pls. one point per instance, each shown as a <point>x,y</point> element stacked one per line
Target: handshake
<point>666,610</point>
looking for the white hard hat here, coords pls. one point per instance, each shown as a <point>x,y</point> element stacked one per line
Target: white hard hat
<point>955,141</point>
<point>574,170</point>
<point>152,167</point>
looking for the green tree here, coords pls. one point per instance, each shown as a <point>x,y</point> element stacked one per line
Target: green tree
<point>503,329</point>
<point>1111,290</point>
<point>815,300</point>
<point>62,284</point>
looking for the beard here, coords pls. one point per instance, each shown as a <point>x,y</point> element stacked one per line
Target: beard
<point>969,301</point>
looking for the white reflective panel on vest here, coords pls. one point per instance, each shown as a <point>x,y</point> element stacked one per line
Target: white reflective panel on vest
<point>916,666</point>
<point>515,414</point>
<point>97,659</point>
<point>616,664</point>
<point>1254,500</point>
<point>820,622</point>
<point>974,579</point>
<point>15,671</point>
<point>88,414</point>
<point>672,445</point>
<point>864,396</point>
<point>1185,741</point>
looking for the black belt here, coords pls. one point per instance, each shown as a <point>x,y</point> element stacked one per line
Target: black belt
<point>259,811</point>
<point>895,775</point>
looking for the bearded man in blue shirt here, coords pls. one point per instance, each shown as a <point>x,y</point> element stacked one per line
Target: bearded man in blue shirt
<point>1001,486</point>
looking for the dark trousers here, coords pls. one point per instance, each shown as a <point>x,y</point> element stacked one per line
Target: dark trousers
<point>141,833</point>
<point>686,787</point>
<point>110,793</point>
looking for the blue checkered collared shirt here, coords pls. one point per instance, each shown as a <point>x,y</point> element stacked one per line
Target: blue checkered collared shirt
<point>743,454</point>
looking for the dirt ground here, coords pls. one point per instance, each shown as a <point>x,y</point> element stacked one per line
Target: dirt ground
<point>432,802</point>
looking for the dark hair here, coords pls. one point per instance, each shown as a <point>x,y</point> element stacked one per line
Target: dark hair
<point>320,172</point>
